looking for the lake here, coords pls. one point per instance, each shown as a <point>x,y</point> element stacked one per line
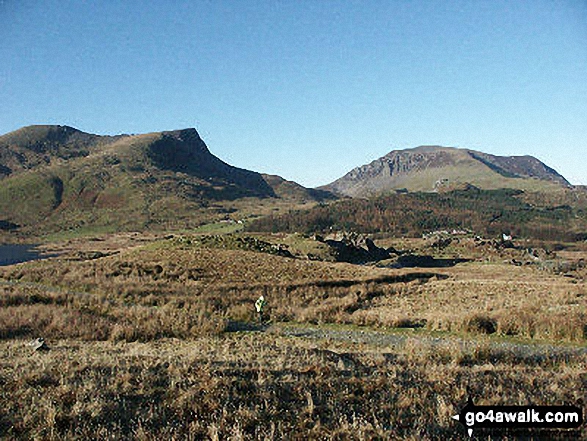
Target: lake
<point>11,254</point>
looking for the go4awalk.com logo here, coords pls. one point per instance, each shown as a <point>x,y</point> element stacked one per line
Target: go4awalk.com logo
<point>519,417</point>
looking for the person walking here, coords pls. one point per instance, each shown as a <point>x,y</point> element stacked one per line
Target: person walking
<point>259,306</point>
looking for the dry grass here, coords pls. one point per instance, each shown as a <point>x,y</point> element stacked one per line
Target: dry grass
<point>139,348</point>
<point>507,299</point>
<point>263,386</point>
<point>172,288</point>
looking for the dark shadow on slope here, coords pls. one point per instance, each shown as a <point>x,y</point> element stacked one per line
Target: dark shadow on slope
<point>345,283</point>
<point>237,326</point>
<point>183,151</point>
<point>415,261</point>
<point>6,225</point>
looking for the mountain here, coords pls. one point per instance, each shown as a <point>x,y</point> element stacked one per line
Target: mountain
<point>33,146</point>
<point>57,177</point>
<point>292,190</point>
<point>435,168</point>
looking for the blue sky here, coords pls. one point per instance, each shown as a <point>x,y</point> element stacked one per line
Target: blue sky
<point>306,89</point>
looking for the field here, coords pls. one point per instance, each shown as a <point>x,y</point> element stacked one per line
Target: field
<point>155,337</point>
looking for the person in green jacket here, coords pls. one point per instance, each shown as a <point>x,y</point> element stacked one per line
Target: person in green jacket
<point>259,306</point>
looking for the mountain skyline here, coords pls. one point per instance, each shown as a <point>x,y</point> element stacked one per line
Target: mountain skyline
<point>291,87</point>
<point>60,178</point>
<point>37,145</point>
<point>439,168</point>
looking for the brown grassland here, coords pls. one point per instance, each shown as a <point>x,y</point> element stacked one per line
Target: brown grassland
<point>154,337</point>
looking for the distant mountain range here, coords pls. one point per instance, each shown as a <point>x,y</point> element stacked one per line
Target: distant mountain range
<point>55,178</point>
<point>435,168</point>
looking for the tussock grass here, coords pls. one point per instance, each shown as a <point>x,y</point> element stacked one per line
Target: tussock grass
<point>64,315</point>
<point>181,289</point>
<point>138,348</point>
<point>263,386</point>
<point>176,291</point>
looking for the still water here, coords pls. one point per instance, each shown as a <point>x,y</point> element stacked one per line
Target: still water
<point>10,254</point>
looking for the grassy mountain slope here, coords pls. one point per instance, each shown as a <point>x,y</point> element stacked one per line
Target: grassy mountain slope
<point>292,190</point>
<point>58,178</point>
<point>33,146</point>
<point>431,168</point>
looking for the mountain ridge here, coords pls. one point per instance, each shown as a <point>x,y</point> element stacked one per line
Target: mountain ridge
<point>432,168</point>
<point>182,151</point>
<point>55,178</point>
<point>69,179</point>
<point>36,145</point>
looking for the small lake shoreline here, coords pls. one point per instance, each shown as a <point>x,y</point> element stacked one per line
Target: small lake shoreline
<point>11,254</point>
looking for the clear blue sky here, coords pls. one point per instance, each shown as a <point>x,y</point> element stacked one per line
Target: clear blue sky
<point>306,89</point>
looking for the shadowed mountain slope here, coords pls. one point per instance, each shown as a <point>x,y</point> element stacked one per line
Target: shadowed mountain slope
<point>434,168</point>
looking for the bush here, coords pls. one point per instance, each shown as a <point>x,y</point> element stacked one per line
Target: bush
<point>481,324</point>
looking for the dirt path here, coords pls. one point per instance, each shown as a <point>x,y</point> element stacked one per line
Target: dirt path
<point>536,352</point>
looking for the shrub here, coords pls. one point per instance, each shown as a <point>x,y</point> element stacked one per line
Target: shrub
<point>481,324</point>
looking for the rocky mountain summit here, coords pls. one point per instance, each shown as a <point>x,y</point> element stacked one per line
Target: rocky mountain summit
<point>434,168</point>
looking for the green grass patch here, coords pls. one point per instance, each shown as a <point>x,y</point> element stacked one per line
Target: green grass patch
<point>219,228</point>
